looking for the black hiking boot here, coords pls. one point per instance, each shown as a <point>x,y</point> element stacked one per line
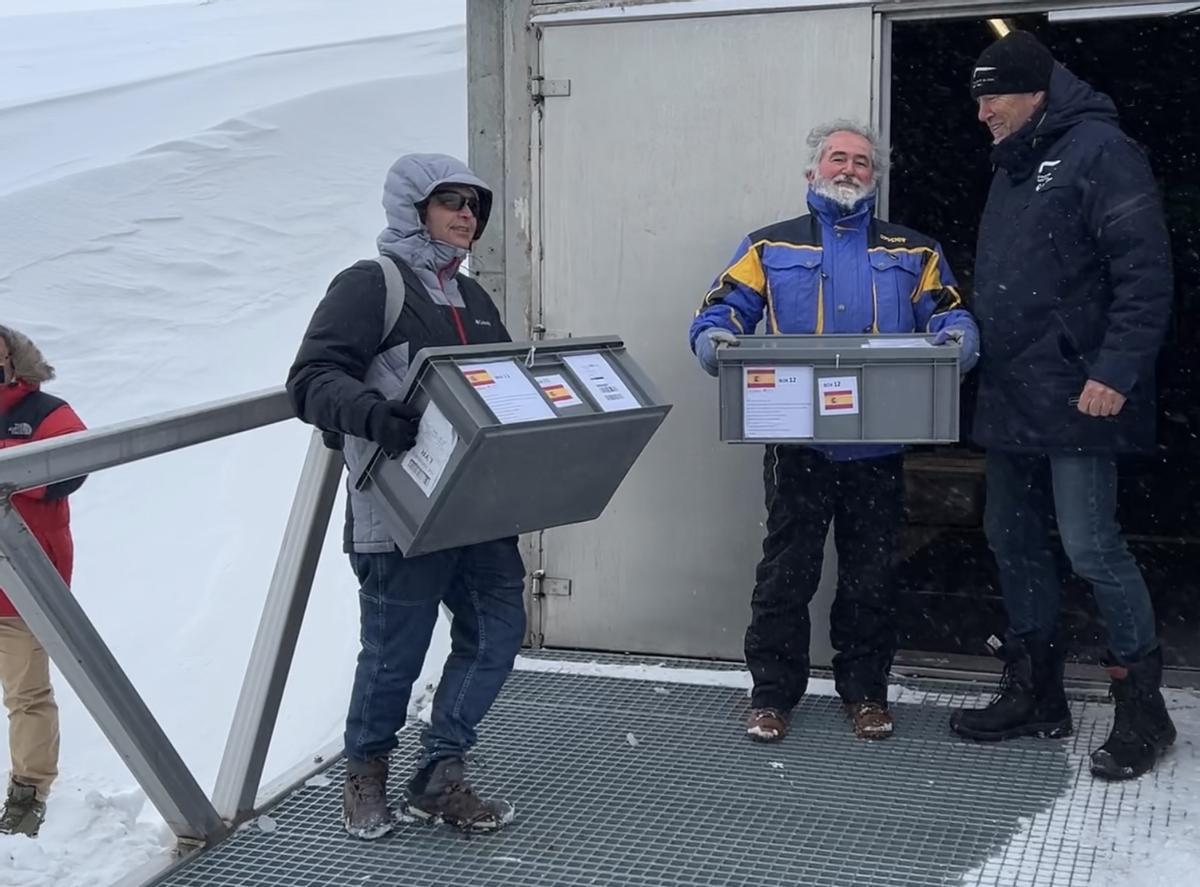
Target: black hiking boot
<point>23,813</point>
<point>440,791</point>
<point>365,812</point>
<point>1030,700</point>
<point>1142,728</point>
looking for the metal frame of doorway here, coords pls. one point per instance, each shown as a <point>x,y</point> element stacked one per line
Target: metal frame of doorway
<point>502,47</point>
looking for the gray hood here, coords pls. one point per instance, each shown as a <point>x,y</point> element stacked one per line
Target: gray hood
<point>409,182</point>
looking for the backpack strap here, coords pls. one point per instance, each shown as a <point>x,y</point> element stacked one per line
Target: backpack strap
<point>395,289</point>
<point>427,314</point>
<point>393,304</point>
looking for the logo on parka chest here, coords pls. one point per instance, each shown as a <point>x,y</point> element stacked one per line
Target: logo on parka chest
<point>1045,173</point>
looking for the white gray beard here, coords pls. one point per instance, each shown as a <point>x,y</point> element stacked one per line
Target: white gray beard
<point>845,195</point>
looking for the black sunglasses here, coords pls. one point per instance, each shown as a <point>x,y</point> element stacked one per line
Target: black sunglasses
<point>454,201</point>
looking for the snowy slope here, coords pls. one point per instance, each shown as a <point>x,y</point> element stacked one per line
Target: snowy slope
<point>184,181</point>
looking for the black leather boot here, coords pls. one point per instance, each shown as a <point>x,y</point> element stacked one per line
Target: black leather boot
<point>1142,729</point>
<point>1030,700</point>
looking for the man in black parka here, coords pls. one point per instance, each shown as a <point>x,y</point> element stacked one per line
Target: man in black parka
<point>1073,291</point>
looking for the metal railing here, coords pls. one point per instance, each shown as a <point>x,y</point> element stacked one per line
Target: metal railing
<point>55,617</point>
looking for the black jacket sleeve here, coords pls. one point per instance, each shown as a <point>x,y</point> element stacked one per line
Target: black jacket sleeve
<point>1123,212</point>
<point>326,380</point>
<point>63,488</point>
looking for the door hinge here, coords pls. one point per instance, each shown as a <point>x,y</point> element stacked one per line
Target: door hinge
<point>549,586</point>
<point>540,87</point>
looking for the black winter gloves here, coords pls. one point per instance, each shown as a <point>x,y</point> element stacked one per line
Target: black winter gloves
<point>393,425</point>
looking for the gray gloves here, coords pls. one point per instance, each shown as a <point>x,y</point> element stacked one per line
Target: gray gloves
<point>706,347</point>
<point>968,338</point>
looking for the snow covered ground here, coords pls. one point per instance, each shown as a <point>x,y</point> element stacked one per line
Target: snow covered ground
<point>1144,833</point>
<point>178,180</point>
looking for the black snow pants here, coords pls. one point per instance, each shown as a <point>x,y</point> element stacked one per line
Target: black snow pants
<point>805,490</point>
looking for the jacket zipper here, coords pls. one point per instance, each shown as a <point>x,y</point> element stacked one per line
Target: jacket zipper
<point>458,324</point>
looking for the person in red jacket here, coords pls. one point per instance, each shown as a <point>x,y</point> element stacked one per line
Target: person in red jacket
<point>28,414</point>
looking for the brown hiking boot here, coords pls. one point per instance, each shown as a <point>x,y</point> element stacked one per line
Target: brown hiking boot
<point>365,812</point>
<point>766,724</point>
<point>23,813</point>
<point>871,720</point>
<point>440,791</point>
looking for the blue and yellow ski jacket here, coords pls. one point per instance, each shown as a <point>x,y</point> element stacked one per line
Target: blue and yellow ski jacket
<point>835,271</point>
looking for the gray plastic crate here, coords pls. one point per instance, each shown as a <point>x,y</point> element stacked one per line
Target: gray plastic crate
<point>542,435</point>
<point>839,389</point>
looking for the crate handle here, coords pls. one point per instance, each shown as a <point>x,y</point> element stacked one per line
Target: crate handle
<point>365,478</point>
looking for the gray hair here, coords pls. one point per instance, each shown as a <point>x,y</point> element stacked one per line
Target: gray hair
<point>28,363</point>
<point>818,139</point>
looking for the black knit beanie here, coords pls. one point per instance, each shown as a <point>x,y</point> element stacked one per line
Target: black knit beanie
<point>1017,62</point>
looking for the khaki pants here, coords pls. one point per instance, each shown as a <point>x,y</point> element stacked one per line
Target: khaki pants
<point>32,712</point>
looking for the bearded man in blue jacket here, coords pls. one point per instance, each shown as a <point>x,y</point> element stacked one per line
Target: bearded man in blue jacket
<point>836,269</point>
<point>1073,290</point>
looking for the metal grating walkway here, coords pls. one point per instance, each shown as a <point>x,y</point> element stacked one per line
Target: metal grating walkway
<point>627,783</point>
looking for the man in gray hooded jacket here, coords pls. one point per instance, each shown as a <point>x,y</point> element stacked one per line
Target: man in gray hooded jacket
<point>346,380</point>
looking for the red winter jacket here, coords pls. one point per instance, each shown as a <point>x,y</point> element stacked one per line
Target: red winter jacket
<point>28,414</point>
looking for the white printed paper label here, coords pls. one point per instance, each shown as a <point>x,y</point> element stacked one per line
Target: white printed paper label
<point>778,403</point>
<point>507,391</point>
<point>559,391</point>
<point>899,342</point>
<point>602,382</point>
<point>839,396</point>
<point>427,459</point>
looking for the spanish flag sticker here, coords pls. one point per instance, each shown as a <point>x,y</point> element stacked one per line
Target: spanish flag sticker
<point>764,378</point>
<point>838,401</point>
<point>557,393</point>
<point>479,378</point>
<point>839,395</point>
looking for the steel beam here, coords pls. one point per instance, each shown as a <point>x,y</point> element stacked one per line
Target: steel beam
<point>72,642</point>
<point>486,137</point>
<point>61,458</point>
<point>275,644</point>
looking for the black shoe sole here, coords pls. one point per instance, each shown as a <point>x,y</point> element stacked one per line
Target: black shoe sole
<point>1044,730</point>
<point>484,826</point>
<point>1103,766</point>
<point>369,833</point>
<point>765,740</point>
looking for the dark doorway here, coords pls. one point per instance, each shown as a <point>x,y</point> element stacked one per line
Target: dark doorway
<point>950,600</point>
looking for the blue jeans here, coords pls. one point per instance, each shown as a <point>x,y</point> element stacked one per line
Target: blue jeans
<point>1024,492</point>
<point>482,586</point>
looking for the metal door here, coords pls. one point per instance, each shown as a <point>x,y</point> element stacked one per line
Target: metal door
<point>662,143</point>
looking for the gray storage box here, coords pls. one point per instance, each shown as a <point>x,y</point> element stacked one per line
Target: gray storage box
<point>839,389</point>
<point>515,437</point>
